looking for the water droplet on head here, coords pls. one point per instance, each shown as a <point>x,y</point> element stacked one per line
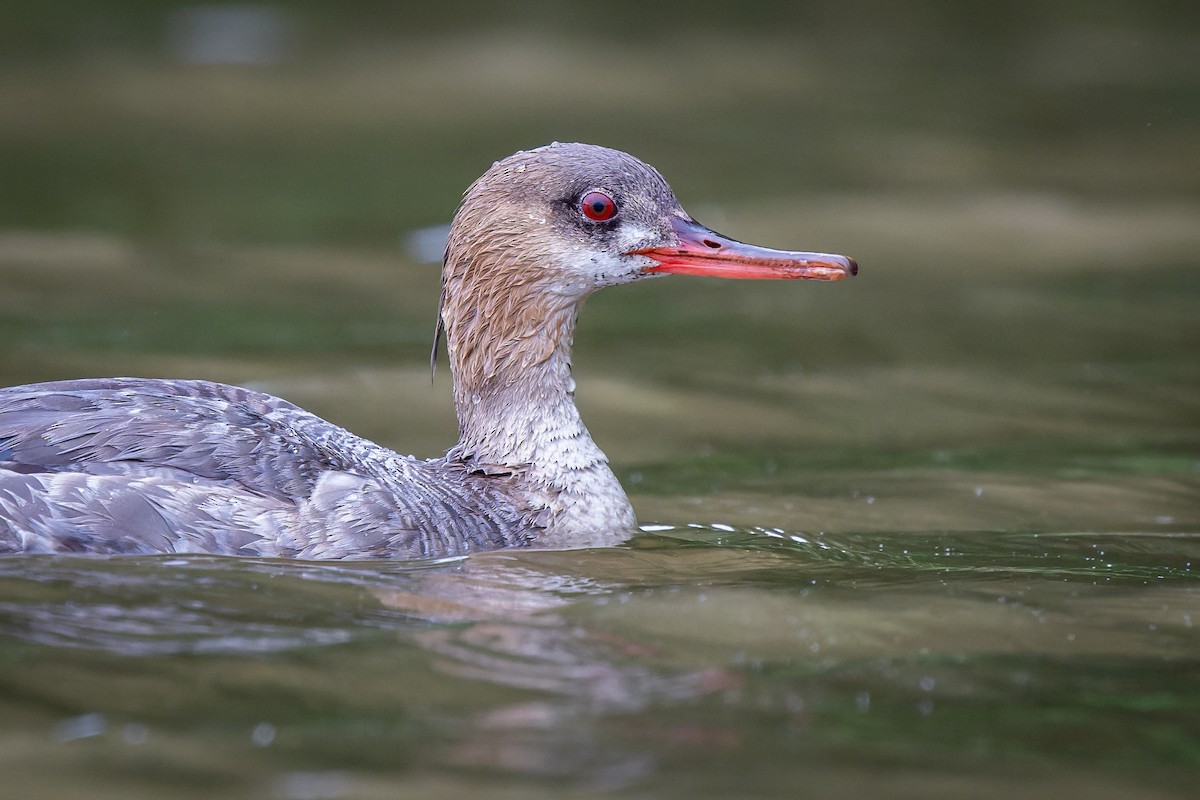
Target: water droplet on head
<point>519,168</point>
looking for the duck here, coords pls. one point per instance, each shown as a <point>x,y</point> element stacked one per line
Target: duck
<point>140,466</point>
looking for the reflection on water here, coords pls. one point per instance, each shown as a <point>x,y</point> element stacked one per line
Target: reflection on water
<point>692,654</point>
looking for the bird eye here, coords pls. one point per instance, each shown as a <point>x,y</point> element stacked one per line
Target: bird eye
<point>598,206</point>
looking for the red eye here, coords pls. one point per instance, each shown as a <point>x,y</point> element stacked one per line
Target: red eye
<point>598,206</point>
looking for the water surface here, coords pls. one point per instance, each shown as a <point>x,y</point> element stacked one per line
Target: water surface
<point>694,661</point>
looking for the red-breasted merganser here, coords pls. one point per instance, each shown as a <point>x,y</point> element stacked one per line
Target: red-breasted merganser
<point>129,465</point>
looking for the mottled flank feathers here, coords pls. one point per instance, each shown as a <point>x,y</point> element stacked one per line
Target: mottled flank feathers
<point>124,465</point>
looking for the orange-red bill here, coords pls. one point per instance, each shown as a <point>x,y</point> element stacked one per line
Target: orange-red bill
<point>701,251</point>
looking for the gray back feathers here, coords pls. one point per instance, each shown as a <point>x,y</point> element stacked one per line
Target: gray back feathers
<point>124,465</point>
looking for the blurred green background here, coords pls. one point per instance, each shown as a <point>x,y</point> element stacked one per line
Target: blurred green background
<point>347,122</point>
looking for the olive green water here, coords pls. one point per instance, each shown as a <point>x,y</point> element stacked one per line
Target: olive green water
<point>933,532</point>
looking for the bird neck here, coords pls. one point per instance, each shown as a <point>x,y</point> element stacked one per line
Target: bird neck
<point>510,357</point>
<point>513,390</point>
